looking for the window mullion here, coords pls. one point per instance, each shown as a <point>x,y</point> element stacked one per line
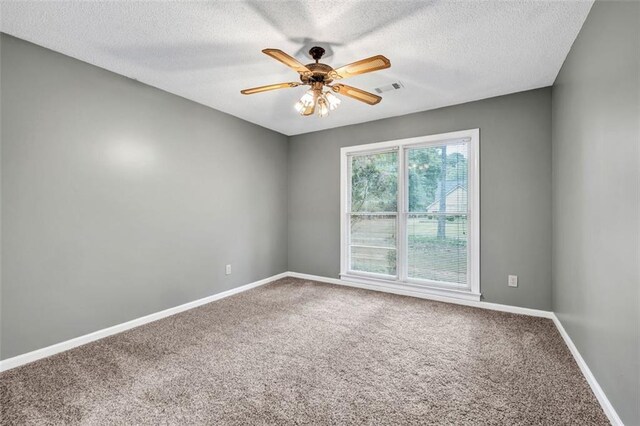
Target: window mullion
<point>402,217</point>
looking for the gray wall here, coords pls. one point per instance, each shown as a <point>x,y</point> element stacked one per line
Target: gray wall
<point>515,190</point>
<point>596,204</point>
<point>119,200</point>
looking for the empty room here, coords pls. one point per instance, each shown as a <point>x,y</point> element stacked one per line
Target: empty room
<point>367,212</point>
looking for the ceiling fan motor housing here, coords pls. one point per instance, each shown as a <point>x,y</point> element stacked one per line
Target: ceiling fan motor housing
<point>319,72</point>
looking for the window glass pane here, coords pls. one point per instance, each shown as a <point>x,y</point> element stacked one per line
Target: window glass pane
<point>374,182</point>
<point>438,178</point>
<point>373,260</point>
<point>373,230</point>
<point>437,247</point>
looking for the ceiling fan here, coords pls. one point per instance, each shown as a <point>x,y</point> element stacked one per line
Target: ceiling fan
<point>318,76</point>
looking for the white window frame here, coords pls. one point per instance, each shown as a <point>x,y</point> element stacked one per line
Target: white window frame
<point>468,292</point>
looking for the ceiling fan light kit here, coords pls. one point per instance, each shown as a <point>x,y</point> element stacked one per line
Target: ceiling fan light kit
<point>320,98</point>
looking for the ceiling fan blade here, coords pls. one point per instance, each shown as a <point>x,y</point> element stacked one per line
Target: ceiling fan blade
<point>362,66</point>
<point>360,95</point>
<point>288,60</point>
<point>267,88</point>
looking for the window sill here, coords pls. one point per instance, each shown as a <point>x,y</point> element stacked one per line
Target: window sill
<point>411,289</point>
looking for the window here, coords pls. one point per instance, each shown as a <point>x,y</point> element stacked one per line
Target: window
<point>410,214</point>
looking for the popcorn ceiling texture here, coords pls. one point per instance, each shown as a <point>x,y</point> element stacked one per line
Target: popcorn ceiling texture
<point>444,52</point>
<point>300,352</point>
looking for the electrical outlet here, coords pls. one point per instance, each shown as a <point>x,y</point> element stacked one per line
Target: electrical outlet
<point>513,281</point>
<point>227,270</point>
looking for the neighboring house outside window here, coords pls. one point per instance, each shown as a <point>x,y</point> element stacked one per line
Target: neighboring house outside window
<point>456,197</point>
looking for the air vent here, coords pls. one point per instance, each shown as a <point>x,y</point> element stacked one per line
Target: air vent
<point>393,86</point>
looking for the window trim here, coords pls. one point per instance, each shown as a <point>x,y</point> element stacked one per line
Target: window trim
<point>470,292</point>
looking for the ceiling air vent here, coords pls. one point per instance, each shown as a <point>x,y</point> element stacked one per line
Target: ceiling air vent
<point>393,86</point>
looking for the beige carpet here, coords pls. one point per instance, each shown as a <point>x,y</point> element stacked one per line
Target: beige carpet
<point>299,352</point>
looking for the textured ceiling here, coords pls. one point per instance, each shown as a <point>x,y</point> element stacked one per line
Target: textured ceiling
<point>444,52</point>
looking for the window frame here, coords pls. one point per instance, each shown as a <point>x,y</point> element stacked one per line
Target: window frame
<point>402,281</point>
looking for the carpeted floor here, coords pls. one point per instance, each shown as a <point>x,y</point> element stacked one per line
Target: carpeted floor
<point>300,352</point>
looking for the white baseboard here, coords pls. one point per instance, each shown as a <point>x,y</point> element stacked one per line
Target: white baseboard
<point>595,387</point>
<point>87,338</point>
<point>23,359</point>
<point>415,293</point>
